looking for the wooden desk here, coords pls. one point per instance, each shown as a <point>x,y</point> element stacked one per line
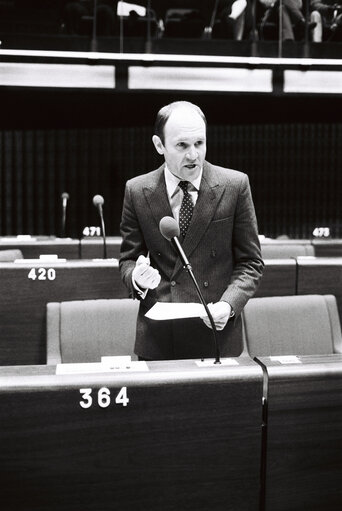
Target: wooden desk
<point>92,248</point>
<point>279,278</point>
<point>23,301</point>
<point>321,276</point>
<point>328,248</point>
<point>189,439</point>
<point>284,249</point>
<point>32,248</point>
<point>304,439</point>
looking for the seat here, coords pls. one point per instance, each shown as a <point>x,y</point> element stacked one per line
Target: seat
<point>136,20</point>
<point>8,256</point>
<point>286,250</point>
<point>292,325</point>
<point>184,23</point>
<point>86,330</point>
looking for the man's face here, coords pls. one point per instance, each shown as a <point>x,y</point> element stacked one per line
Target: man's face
<point>184,145</point>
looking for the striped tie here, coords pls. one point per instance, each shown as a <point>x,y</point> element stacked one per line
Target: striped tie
<point>186,209</point>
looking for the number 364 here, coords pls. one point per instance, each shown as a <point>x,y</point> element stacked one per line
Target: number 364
<point>103,397</point>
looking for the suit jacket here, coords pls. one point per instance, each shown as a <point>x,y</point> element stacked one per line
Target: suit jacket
<point>223,248</point>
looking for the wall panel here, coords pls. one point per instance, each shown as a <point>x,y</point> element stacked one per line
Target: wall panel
<point>294,170</point>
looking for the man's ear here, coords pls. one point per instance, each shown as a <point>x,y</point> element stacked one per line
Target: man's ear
<point>158,144</point>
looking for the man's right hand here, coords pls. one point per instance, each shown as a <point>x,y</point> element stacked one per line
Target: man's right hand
<point>144,275</point>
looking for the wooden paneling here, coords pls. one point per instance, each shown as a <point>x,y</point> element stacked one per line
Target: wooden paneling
<point>304,442</point>
<point>322,276</point>
<point>23,301</point>
<point>293,168</point>
<point>279,278</point>
<point>189,438</point>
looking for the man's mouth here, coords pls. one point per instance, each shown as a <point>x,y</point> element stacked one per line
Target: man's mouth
<point>190,165</point>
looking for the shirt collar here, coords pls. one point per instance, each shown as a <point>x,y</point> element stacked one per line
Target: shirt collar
<point>172,181</point>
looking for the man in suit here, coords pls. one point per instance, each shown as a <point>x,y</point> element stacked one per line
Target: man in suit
<point>218,234</point>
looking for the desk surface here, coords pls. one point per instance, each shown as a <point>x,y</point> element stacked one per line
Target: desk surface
<point>321,275</point>
<point>279,278</point>
<point>28,287</point>
<point>304,439</point>
<point>189,438</point>
<point>34,246</point>
<point>91,248</point>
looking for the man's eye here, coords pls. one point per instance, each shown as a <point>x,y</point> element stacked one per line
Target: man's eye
<point>181,144</point>
<point>199,143</point>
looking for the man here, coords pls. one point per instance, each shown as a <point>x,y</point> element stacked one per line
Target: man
<point>328,17</point>
<point>218,233</point>
<point>293,20</point>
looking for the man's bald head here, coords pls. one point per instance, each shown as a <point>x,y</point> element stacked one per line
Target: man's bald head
<point>166,111</point>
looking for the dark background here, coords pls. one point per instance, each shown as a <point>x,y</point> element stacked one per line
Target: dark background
<point>89,142</point>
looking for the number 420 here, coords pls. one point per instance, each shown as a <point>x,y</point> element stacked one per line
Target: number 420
<point>103,397</point>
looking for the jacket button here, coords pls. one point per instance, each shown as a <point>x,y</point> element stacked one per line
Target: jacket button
<point>158,254</point>
<point>205,284</point>
<point>213,253</point>
<point>173,283</point>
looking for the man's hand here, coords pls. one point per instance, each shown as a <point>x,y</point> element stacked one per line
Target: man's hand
<point>144,275</point>
<point>220,312</point>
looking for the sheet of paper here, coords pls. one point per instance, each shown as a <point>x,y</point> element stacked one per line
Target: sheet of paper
<point>165,310</point>
<point>286,359</point>
<point>100,367</point>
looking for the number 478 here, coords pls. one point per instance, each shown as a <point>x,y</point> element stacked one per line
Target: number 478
<point>103,397</point>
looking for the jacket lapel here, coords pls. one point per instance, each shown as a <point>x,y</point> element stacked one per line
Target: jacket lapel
<point>208,197</point>
<point>156,196</point>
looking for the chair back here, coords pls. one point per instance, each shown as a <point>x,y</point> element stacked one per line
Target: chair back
<point>292,325</point>
<point>8,256</point>
<point>86,330</point>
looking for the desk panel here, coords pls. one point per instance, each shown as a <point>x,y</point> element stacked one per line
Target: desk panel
<point>92,248</point>
<point>66,248</point>
<point>23,301</point>
<point>328,248</point>
<point>304,442</point>
<point>284,249</point>
<point>189,439</point>
<point>321,276</point>
<point>279,278</point>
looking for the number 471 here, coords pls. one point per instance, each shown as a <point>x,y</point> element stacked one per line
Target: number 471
<point>103,397</point>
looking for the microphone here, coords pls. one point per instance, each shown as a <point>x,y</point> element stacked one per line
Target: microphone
<point>169,229</point>
<point>65,198</point>
<point>98,202</point>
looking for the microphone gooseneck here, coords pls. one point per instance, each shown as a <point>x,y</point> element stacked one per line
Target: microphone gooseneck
<point>65,198</point>
<point>98,202</point>
<point>170,230</point>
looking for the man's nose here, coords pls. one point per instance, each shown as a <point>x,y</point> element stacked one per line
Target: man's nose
<point>192,153</point>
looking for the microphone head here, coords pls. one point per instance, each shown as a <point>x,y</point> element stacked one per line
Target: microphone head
<point>169,227</point>
<point>98,200</point>
<point>65,195</point>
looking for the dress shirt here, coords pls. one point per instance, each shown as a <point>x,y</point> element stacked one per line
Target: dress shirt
<point>175,194</point>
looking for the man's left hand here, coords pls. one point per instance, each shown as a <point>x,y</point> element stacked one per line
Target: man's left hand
<point>220,312</point>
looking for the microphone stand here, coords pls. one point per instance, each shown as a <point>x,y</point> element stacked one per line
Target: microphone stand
<point>188,267</point>
<point>63,218</point>
<point>103,234</point>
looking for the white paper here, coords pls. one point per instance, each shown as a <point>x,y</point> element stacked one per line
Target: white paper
<point>286,359</point>
<point>167,310</point>
<point>40,261</point>
<point>124,363</point>
<point>20,237</point>
<point>100,367</point>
